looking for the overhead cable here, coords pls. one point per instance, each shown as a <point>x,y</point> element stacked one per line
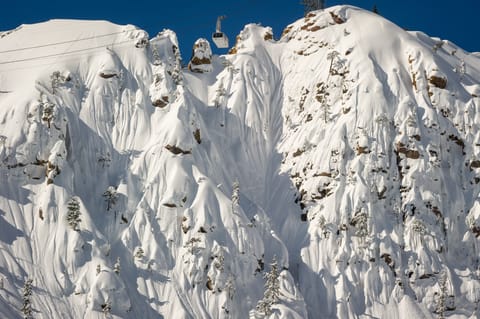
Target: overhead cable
<point>63,53</point>
<point>63,42</point>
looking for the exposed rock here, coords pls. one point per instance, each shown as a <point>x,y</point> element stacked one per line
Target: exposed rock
<point>234,49</point>
<point>209,284</point>
<point>107,75</point>
<point>439,82</point>
<point>196,136</point>
<point>287,30</point>
<point>476,231</point>
<point>298,152</point>
<point>162,102</point>
<point>475,164</point>
<point>268,36</point>
<point>362,150</point>
<point>336,18</point>
<point>437,79</point>
<point>177,150</point>
<point>325,174</point>
<point>457,140</point>
<point>413,154</point>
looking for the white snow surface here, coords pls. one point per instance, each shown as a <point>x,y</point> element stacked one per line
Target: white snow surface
<point>348,150</point>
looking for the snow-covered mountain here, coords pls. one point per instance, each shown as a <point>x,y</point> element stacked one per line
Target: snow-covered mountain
<point>333,173</point>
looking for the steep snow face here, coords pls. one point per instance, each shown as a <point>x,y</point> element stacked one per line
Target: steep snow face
<point>381,141</point>
<point>337,166</point>
<point>157,163</point>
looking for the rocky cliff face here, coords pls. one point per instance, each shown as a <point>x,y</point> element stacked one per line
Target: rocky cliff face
<point>330,174</point>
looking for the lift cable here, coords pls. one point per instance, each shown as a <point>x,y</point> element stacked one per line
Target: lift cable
<point>63,42</point>
<point>63,53</point>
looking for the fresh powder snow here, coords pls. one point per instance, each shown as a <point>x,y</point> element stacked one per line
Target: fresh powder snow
<point>330,172</point>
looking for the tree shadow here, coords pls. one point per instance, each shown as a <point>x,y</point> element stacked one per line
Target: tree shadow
<point>8,233</point>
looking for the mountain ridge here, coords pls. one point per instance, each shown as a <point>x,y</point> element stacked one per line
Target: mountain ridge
<point>345,154</point>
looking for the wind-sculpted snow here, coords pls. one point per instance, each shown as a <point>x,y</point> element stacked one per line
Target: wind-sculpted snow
<point>332,173</point>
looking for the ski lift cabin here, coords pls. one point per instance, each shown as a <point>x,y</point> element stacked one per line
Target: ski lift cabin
<point>219,38</point>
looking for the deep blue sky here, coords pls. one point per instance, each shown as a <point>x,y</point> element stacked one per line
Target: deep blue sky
<point>456,21</point>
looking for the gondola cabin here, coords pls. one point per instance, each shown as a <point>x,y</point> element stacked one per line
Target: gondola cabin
<point>218,37</point>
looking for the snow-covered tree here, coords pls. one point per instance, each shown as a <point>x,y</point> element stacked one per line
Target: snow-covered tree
<point>157,60</point>
<point>99,269</point>
<point>73,213</point>
<point>230,291</point>
<point>235,196</point>
<point>230,287</point>
<point>419,227</point>
<point>27,303</point>
<point>56,79</point>
<point>332,56</point>
<point>177,75</point>
<point>139,253</point>
<point>191,244</point>
<point>219,94</point>
<point>272,290</point>
<point>116,266</point>
<point>361,225</point>
<point>311,5</point>
<point>322,97</point>
<point>106,308</point>
<point>48,112</point>
<point>441,302</point>
<point>111,197</point>
<point>105,159</point>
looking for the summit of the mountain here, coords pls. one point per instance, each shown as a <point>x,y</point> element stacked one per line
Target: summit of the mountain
<point>332,173</point>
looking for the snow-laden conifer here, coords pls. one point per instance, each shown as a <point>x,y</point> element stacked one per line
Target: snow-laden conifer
<point>272,290</point>
<point>111,197</point>
<point>27,303</point>
<point>73,213</point>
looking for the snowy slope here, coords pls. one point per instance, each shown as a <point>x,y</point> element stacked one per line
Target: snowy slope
<point>347,151</point>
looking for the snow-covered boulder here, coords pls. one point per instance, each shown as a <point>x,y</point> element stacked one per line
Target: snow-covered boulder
<point>201,60</point>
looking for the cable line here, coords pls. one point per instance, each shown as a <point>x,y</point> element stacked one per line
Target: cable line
<point>63,42</point>
<point>63,53</point>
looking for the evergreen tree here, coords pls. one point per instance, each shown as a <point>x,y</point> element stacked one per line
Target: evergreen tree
<point>73,213</point>
<point>111,197</point>
<point>56,80</point>
<point>116,267</point>
<point>27,304</point>
<point>442,297</point>
<point>139,253</point>
<point>230,290</point>
<point>322,98</point>
<point>272,290</point>
<point>235,196</point>
<point>107,308</point>
<point>332,56</point>
<point>375,9</point>
<point>48,112</point>
<point>220,93</point>
<point>230,287</point>
<point>177,74</point>
<point>311,5</point>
